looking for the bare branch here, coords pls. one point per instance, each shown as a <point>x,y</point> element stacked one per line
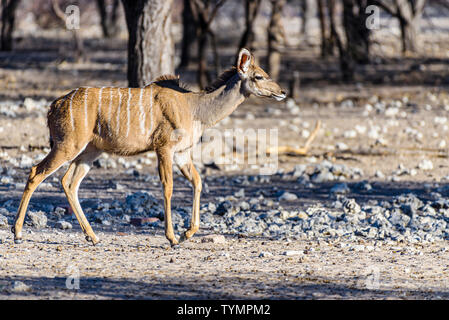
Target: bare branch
<point>389,7</point>
<point>57,10</point>
<point>297,151</point>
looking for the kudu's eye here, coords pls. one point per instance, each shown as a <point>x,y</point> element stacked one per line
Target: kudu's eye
<point>258,77</point>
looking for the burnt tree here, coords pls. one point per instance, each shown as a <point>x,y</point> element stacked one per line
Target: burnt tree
<point>8,15</point>
<point>150,44</point>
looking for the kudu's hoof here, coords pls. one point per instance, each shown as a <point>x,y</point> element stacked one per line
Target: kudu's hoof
<point>94,242</point>
<point>175,246</point>
<point>16,240</point>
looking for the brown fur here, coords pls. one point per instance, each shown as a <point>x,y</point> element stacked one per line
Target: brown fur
<point>163,117</point>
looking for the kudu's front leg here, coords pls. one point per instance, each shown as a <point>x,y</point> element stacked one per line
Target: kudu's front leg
<point>190,173</point>
<point>165,164</point>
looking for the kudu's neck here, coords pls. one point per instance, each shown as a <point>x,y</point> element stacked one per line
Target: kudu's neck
<point>211,107</point>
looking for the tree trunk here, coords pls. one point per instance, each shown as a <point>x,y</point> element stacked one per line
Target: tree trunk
<point>409,34</point>
<point>8,17</point>
<point>309,11</point>
<point>305,9</point>
<point>203,14</point>
<point>248,37</point>
<point>150,44</point>
<point>347,64</point>
<point>108,19</point>
<point>276,38</point>
<point>327,43</point>
<point>188,34</point>
<point>409,13</point>
<point>357,34</point>
<point>203,77</point>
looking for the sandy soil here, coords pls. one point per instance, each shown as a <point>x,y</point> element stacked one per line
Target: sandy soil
<point>141,265</point>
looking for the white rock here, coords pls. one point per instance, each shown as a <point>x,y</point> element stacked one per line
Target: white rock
<point>3,221</point>
<point>368,107</point>
<point>373,133</point>
<point>350,134</point>
<point>19,287</point>
<point>293,253</point>
<point>214,238</point>
<point>357,248</point>
<point>38,219</point>
<point>425,164</point>
<point>379,174</point>
<point>29,104</point>
<point>340,188</point>
<point>265,254</point>
<point>305,133</point>
<point>360,129</point>
<point>440,120</point>
<point>287,196</point>
<point>342,146</point>
<point>61,224</point>
<point>391,112</point>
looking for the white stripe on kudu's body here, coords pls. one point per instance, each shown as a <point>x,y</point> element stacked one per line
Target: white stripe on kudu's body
<point>85,107</point>
<point>172,109</point>
<point>128,118</point>
<point>142,112</point>
<point>99,112</point>
<point>110,109</point>
<point>151,111</point>
<point>71,108</point>
<point>117,129</point>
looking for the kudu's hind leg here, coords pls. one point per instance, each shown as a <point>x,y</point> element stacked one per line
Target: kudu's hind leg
<point>190,173</point>
<point>71,181</point>
<point>39,173</point>
<point>165,166</point>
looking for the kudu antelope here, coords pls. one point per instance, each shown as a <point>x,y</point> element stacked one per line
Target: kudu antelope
<point>128,121</point>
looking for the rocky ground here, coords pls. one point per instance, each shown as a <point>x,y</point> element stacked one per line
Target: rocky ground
<point>364,215</point>
<point>336,224</point>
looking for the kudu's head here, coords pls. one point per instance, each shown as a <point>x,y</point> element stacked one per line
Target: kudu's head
<point>255,80</point>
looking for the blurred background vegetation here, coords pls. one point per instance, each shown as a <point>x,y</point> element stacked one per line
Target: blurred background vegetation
<point>299,42</point>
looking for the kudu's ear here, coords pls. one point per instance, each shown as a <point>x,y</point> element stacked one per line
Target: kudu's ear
<point>244,62</point>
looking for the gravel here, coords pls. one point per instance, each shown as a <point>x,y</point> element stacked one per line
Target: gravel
<point>37,219</point>
<point>3,221</point>
<point>273,212</point>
